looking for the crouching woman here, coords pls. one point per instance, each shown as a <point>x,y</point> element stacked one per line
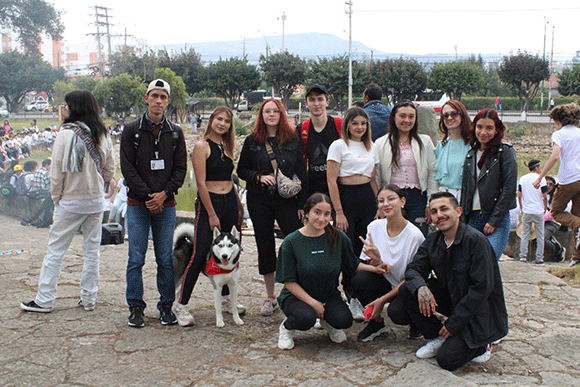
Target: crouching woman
<point>309,264</point>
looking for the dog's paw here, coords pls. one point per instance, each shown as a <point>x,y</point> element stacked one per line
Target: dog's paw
<point>220,323</point>
<point>238,321</point>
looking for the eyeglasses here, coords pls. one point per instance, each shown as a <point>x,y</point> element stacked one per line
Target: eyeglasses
<point>452,115</point>
<point>390,199</point>
<point>274,111</point>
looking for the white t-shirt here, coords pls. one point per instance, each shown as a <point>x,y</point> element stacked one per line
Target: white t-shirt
<point>568,138</point>
<point>532,198</point>
<point>354,158</point>
<point>398,251</point>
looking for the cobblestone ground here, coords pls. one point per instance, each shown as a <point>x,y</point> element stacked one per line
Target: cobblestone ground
<point>72,347</point>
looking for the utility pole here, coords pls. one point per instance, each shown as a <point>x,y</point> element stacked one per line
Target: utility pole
<point>244,47</point>
<point>543,59</point>
<point>551,68</point>
<point>349,12</point>
<point>99,16</point>
<point>283,17</point>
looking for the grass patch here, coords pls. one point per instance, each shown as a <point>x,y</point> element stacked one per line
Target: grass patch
<point>568,274</point>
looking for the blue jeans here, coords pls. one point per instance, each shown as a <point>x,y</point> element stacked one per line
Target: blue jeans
<point>499,238</point>
<point>139,220</point>
<point>415,208</point>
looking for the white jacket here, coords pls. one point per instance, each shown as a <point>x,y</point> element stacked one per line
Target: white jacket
<point>424,158</point>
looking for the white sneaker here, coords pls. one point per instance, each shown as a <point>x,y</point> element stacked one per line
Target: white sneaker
<point>356,309</point>
<point>523,260</point>
<point>227,307</point>
<point>184,318</point>
<point>430,349</point>
<point>270,305</point>
<point>336,335</point>
<point>317,324</point>
<point>484,356</point>
<point>285,340</point>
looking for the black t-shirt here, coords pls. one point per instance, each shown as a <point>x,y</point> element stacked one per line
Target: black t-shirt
<point>317,150</point>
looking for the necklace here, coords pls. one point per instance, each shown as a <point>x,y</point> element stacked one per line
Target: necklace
<point>401,143</point>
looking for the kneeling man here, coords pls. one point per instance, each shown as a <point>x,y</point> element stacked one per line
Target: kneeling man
<point>461,308</point>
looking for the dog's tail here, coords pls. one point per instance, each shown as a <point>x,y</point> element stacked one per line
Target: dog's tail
<point>183,230</point>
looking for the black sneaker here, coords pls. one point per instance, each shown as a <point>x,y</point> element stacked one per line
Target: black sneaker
<point>372,330</point>
<point>33,307</point>
<point>166,316</point>
<point>414,332</point>
<point>136,318</point>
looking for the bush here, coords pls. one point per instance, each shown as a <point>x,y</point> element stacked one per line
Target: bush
<point>513,103</point>
<point>242,129</point>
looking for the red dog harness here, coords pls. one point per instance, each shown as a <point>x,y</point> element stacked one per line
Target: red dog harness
<point>212,269</point>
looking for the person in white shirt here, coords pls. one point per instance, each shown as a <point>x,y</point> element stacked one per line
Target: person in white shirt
<point>391,240</point>
<point>351,164</point>
<point>533,203</point>
<point>566,148</point>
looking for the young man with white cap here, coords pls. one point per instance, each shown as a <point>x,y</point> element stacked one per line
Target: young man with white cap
<point>533,203</point>
<point>154,164</point>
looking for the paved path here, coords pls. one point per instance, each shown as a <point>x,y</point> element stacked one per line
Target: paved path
<point>72,347</point>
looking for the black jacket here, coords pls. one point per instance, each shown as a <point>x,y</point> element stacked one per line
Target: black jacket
<point>254,161</point>
<point>137,151</point>
<point>472,277</point>
<point>497,184</point>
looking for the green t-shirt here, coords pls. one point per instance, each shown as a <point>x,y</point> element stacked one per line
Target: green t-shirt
<point>310,262</point>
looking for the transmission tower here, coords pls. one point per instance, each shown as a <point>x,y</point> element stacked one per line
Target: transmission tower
<point>102,20</point>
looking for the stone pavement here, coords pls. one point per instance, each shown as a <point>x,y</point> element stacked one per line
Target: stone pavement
<point>72,347</point>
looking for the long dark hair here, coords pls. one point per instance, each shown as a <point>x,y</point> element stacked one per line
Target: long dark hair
<point>284,133</point>
<point>465,127</point>
<point>495,142</point>
<point>228,138</point>
<point>330,230</point>
<point>82,106</point>
<point>393,132</point>
<point>551,193</point>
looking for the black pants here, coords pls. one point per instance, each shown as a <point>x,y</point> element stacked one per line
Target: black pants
<point>226,209</point>
<point>300,316</point>
<point>264,209</point>
<point>454,352</point>
<point>367,287</point>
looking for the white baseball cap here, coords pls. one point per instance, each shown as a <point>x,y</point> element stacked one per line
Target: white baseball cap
<point>159,84</point>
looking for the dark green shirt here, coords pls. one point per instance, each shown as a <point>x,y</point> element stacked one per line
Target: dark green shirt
<point>310,262</point>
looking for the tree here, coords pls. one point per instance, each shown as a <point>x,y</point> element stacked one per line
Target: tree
<point>178,94</point>
<point>29,19</point>
<point>455,78</point>
<point>129,60</point>
<point>186,64</point>
<point>400,78</point>
<point>570,81</point>
<point>524,72</point>
<point>21,73</point>
<point>229,78</point>
<point>284,71</point>
<point>118,95</point>
<point>333,74</point>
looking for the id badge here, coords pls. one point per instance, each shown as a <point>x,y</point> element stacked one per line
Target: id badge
<point>157,165</point>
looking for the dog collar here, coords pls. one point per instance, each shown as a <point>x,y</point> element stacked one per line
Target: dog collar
<point>212,269</point>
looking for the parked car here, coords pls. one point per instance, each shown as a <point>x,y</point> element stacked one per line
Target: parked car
<point>3,113</point>
<point>39,105</point>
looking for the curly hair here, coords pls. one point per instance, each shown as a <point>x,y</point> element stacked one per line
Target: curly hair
<point>567,114</point>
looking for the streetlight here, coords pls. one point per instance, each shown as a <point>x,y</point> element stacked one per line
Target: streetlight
<point>266,40</point>
<point>349,12</point>
<point>283,17</point>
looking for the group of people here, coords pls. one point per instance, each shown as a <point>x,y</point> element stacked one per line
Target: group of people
<point>381,197</point>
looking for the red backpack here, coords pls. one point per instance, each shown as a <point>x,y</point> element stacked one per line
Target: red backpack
<point>305,129</point>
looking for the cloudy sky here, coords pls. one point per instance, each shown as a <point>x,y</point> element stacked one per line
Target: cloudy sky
<point>417,27</point>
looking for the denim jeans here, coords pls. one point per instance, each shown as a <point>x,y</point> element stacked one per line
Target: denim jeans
<point>139,220</point>
<point>415,208</point>
<point>499,238</point>
<point>60,237</point>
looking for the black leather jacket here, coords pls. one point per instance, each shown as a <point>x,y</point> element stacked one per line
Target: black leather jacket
<point>254,161</point>
<point>497,184</point>
<point>470,273</point>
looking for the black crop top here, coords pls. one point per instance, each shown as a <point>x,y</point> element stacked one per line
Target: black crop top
<point>218,166</point>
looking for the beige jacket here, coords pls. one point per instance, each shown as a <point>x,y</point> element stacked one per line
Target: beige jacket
<point>424,158</point>
<point>88,184</point>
